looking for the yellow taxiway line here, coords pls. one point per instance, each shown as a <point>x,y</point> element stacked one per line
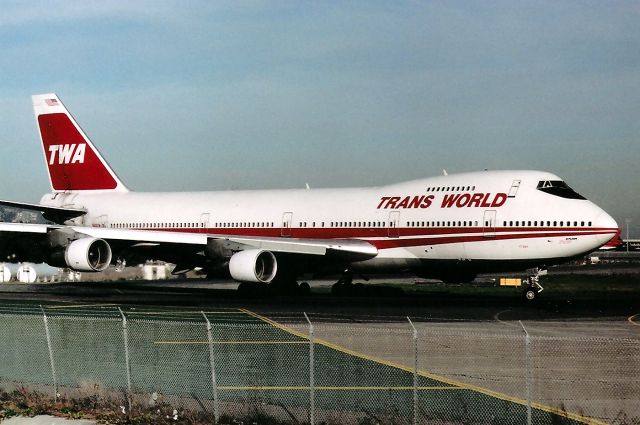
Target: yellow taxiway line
<point>229,342</point>
<point>460,385</point>
<point>79,306</point>
<point>631,319</point>
<point>321,388</point>
<point>179,313</point>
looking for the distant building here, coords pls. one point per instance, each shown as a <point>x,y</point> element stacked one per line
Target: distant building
<point>30,273</point>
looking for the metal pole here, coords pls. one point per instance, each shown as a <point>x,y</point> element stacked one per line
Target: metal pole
<point>627,221</point>
<point>312,391</point>
<point>415,372</point>
<point>214,383</point>
<point>527,346</point>
<point>125,334</point>
<point>53,364</point>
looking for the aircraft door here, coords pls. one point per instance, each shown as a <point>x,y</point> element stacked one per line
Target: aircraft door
<point>489,224</point>
<point>287,220</point>
<point>101,221</point>
<point>204,222</point>
<point>394,223</point>
<point>514,189</point>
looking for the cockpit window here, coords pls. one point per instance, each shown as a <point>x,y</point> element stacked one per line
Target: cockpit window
<point>558,188</point>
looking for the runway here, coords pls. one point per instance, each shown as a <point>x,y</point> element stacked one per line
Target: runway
<point>379,299</point>
<point>471,355</point>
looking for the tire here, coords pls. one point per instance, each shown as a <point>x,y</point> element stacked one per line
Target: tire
<point>530,294</point>
<point>304,289</point>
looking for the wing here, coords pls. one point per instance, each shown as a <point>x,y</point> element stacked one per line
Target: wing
<point>342,249</point>
<point>186,249</point>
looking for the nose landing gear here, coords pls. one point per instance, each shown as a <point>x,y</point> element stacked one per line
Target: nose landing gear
<point>532,285</point>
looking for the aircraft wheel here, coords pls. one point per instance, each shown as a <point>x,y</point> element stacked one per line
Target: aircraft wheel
<point>530,294</point>
<point>338,289</point>
<point>304,289</point>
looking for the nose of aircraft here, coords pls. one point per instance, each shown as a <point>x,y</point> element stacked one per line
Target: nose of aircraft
<point>607,225</point>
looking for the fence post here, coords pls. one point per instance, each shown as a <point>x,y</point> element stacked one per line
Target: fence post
<point>415,372</point>
<point>527,348</point>
<point>312,389</point>
<point>214,383</point>
<point>125,334</point>
<point>53,364</point>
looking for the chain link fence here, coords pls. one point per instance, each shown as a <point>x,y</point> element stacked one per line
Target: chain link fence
<point>302,370</point>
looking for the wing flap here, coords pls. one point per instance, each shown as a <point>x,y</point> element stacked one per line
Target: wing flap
<point>23,228</point>
<point>142,236</point>
<point>350,248</point>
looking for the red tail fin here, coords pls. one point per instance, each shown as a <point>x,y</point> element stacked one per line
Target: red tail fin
<point>72,160</point>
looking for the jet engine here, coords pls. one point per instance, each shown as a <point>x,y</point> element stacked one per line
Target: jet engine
<point>253,265</point>
<point>85,255</point>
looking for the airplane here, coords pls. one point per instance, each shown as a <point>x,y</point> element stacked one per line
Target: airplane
<point>449,227</point>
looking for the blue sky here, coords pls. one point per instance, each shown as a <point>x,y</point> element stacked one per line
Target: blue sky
<point>256,94</point>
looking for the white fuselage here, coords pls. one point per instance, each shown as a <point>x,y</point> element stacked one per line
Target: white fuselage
<point>485,217</point>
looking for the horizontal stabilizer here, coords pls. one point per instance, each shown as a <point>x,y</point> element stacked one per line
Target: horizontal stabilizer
<point>54,214</point>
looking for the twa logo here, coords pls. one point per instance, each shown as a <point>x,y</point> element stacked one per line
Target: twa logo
<point>67,154</point>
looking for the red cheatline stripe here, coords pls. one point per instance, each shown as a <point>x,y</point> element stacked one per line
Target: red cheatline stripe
<point>410,236</point>
<point>397,243</point>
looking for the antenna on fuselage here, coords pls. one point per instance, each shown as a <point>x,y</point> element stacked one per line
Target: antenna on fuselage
<point>444,172</point>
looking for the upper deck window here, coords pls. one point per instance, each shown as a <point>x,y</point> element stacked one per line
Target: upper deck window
<point>558,188</point>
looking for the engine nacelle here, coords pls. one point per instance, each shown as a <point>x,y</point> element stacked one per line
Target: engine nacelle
<point>253,265</point>
<point>87,255</point>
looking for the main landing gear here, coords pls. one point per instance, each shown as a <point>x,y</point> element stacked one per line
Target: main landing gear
<point>279,287</point>
<point>532,285</point>
<point>343,284</point>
